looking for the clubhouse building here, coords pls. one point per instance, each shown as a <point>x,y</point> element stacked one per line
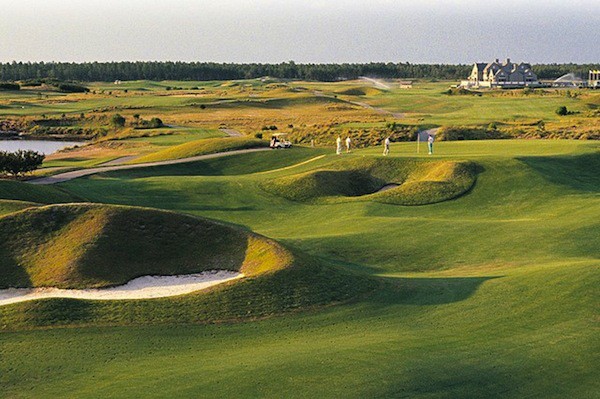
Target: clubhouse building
<point>498,74</point>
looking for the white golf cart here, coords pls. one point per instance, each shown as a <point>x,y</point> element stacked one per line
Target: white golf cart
<point>279,140</point>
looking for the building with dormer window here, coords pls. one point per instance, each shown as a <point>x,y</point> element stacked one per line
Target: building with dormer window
<point>497,74</point>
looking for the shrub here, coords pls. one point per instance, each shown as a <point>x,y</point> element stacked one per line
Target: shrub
<point>20,162</point>
<point>9,86</point>
<point>258,135</point>
<point>118,120</point>
<point>153,123</point>
<point>451,133</point>
<point>156,123</point>
<point>72,88</point>
<point>562,111</point>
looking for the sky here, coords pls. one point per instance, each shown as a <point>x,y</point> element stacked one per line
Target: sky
<point>306,31</point>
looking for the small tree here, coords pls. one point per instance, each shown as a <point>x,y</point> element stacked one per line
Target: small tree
<point>156,123</point>
<point>117,120</point>
<point>20,162</point>
<point>562,110</point>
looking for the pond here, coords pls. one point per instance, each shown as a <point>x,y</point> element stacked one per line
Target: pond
<point>44,146</point>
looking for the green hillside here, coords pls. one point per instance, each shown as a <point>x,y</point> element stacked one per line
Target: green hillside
<point>491,294</point>
<point>419,183</point>
<point>202,147</point>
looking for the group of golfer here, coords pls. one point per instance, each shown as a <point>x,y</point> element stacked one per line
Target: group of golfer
<point>386,145</point>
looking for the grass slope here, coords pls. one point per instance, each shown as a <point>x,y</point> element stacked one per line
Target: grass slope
<point>202,147</point>
<point>491,295</point>
<point>19,191</point>
<point>87,245</point>
<point>419,182</point>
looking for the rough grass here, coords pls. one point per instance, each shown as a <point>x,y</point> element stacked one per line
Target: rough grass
<point>85,245</point>
<point>9,206</point>
<point>419,182</point>
<point>202,147</point>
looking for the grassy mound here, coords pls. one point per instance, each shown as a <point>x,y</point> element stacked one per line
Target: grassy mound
<point>360,91</point>
<point>419,183</point>
<point>202,147</point>
<point>85,245</point>
<point>19,191</point>
<point>10,206</point>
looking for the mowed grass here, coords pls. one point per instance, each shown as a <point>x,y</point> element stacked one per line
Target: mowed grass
<point>202,147</point>
<point>419,183</point>
<point>492,294</point>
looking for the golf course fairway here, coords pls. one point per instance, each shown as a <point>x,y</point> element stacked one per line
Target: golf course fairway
<point>490,292</point>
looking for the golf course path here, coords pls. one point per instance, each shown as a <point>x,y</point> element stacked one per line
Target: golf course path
<point>145,287</point>
<point>231,132</point>
<point>62,177</point>
<point>120,161</point>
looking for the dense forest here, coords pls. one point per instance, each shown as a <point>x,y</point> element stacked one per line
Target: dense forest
<point>154,70</point>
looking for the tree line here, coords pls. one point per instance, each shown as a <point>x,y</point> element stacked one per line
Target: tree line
<point>168,70</point>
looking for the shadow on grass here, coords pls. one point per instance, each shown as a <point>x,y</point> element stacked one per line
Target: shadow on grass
<point>454,378</point>
<point>428,290</point>
<point>581,172</point>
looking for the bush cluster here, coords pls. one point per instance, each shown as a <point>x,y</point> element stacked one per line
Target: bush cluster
<point>9,86</point>
<point>451,133</point>
<point>153,123</point>
<point>20,162</point>
<point>72,88</point>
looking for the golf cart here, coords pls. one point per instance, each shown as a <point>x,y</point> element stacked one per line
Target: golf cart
<point>279,140</point>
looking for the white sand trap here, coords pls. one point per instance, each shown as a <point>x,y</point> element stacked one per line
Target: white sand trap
<point>387,187</point>
<point>145,287</point>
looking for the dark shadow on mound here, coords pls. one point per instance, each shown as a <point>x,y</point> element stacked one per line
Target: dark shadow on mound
<point>422,291</point>
<point>12,274</point>
<point>581,172</point>
<point>453,375</point>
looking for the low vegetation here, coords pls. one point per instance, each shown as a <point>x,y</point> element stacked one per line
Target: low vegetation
<point>20,162</point>
<point>9,86</point>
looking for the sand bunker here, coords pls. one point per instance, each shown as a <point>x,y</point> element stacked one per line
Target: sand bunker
<point>145,287</point>
<point>387,187</point>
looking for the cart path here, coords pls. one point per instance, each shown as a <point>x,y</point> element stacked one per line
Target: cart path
<point>120,161</point>
<point>62,177</point>
<point>231,132</point>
